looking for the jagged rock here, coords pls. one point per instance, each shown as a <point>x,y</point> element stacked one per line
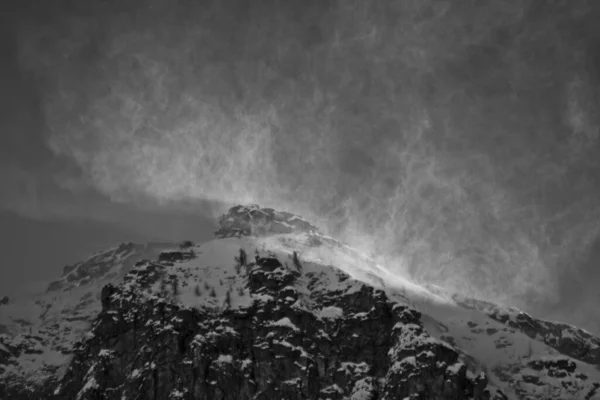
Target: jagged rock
<point>256,221</point>
<point>186,244</point>
<point>173,256</point>
<point>272,349</point>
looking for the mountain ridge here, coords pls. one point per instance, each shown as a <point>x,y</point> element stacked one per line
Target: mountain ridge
<point>410,341</point>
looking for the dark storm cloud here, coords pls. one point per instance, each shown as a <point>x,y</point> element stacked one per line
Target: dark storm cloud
<point>458,140</point>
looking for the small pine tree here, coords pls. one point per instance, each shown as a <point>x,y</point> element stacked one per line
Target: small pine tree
<point>220,282</point>
<point>197,291</point>
<point>240,291</point>
<point>240,261</point>
<point>296,261</point>
<point>212,293</point>
<point>175,286</point>
<point>185,244</point>
<point>228,299</point>
<point>206,285</point>
<point>243,257</point>
<point>163,287</point>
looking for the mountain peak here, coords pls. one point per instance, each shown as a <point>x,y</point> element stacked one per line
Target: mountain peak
<point>273,309</point>
<point>252,220</point>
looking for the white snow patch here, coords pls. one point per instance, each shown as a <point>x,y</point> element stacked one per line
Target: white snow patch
<point>57,390</point>
<point>293,382</point>
<point>225,358</point>
<point>332,389</point>
<point>454,368</point>
<point>331,312</point>
<point>230,330</point>
<point>285,321</point>
<point>135,374</point>
<point>89,385</point>
<point>176,394</point>
<point>285,343</point>
<point>105,353</point>
<point>363,390</point>
<point>265,298</point>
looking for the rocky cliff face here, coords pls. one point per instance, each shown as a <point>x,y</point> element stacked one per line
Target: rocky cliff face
<point>37,334</point>
<point>363,347</point>
<point>290,314</point>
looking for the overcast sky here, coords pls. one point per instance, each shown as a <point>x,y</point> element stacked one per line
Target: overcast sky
<point>456,140</point>
<point>45,225</point>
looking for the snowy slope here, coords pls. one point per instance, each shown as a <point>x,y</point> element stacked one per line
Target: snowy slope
<point>513,361</point>
<point>39,334</point>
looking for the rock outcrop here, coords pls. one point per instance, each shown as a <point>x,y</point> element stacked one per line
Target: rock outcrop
<point>152,348</point>
<point>256,221</point>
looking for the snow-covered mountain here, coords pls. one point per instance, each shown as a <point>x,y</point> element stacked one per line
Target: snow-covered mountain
<point>273,309</point>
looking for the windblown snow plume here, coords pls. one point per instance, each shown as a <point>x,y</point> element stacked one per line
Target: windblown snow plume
<point>455,141</point>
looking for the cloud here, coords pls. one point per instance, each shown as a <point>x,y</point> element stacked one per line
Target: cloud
<point>419,131</point>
